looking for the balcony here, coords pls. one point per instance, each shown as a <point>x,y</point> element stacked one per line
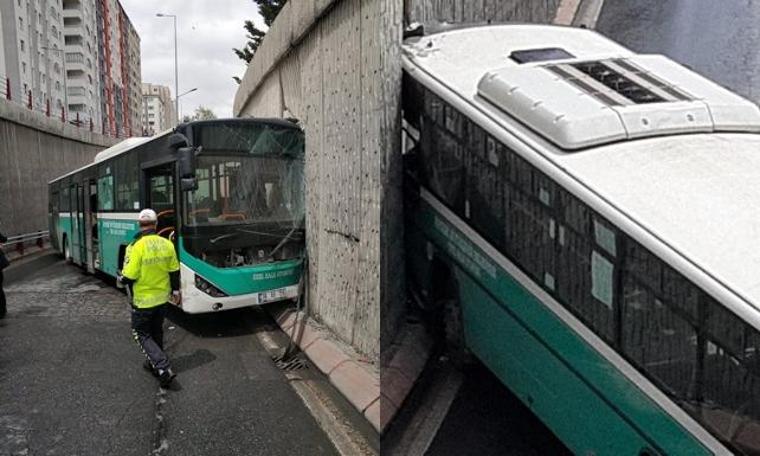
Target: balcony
<point>72,5</point>
<point>76,92</point>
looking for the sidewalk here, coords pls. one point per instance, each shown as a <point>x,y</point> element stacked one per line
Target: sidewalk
<point>353,376</point>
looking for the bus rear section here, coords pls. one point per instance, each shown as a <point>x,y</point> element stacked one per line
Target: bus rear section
<point>580,291</point>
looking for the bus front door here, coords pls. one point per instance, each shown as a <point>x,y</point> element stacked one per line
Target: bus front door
<point>161,198</point>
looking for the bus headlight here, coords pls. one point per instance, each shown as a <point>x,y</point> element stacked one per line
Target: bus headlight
<point>203,285</point>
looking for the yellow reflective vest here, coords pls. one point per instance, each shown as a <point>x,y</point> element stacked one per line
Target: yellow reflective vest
<point>148,261</point>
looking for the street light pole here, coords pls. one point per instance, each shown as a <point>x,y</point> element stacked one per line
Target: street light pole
<point>182,95</point>
<point>176,66</point>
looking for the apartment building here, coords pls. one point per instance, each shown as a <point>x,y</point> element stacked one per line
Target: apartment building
<point>81,43</point>
<point>81,55</point>
<point>119,70</point>
<point>158,109</point>
<point>32,51</point>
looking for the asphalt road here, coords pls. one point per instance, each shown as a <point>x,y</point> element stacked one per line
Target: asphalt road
<point>486,419</point>
<point>71,381</point>
<point>718,39</point>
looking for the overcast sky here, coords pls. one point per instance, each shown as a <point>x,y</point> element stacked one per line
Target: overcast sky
<point>207,30</point>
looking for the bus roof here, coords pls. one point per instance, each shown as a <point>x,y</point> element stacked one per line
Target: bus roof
<point>696,193</point>
<point>123,147</point>
<point>576,88</point>
<point>691,198</point>
<point>117,149</point>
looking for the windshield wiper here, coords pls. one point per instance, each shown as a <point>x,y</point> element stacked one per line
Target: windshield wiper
<point>223,236</point>
<point>284,240</point>
<point>259,233</point>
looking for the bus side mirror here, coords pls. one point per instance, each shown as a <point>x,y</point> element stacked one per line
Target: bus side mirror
<point>186,163</point>
<point>177,140</point>
<point>188,184</point>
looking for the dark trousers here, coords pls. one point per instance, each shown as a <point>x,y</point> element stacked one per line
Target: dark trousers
<point>148,331</point>
<point>2,296</point>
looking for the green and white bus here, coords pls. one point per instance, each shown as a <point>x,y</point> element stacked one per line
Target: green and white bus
<point>586,219</point>
<point>229,194</point>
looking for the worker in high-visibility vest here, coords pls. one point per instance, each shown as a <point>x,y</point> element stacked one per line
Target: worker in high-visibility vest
<point>151,269</point>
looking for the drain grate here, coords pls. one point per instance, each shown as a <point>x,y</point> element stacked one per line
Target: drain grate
<point>291,363</point>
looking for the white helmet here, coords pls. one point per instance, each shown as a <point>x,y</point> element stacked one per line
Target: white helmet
<point>147,216</point>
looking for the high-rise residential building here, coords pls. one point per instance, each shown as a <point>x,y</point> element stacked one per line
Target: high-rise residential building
<point>119,67</point>
<point>80,55</point>
<point>82,78</point>
<point>32,51</point>
<point>157,109</point>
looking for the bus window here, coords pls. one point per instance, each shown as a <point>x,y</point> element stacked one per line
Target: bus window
<point>105,189</point>
<point>126,174</point>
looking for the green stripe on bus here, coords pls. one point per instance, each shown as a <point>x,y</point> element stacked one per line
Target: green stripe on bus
<point>247,279</point>
<point>577,392</point>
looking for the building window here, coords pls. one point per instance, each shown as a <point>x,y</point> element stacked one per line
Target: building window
<point>23,46</point>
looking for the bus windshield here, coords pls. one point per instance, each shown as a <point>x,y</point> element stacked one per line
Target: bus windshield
<point>249,205</point>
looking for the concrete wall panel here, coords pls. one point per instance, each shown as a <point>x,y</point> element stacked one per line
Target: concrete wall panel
<point>35,149</point>
<point>453,11</point>
<point>335,65</point>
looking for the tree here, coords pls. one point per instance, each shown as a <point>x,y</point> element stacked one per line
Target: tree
<point>268,9</point>
<point>200,113</point>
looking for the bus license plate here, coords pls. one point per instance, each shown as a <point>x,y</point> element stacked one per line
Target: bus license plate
<point>271,295</point>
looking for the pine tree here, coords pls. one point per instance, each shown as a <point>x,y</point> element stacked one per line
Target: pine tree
<point>200,113</point>
<point>268,9</point>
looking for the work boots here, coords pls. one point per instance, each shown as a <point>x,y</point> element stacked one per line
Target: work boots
<point>165,377</point>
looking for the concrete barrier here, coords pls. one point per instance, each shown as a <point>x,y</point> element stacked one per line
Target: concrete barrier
<point>335,65</point>
<point>35,149</point>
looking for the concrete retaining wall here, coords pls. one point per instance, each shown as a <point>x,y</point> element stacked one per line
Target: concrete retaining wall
<point>33,150</point>
<point>495,11</point>
<point>335,65</point>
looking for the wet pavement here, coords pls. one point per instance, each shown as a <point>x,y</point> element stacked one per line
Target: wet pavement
<point>718,39</point>
<point>71,381</point>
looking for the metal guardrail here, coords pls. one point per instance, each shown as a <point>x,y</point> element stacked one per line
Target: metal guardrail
<point>20,241</point>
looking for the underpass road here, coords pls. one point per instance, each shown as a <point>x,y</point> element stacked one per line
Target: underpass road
<point>718,39</point>
<point>71,381</point>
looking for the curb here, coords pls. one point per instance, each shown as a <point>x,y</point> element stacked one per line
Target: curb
<point>578,13</point>
<point>566,12</point>
<point>347,372</point>
<point>410,353</point>
<point>588,13</point>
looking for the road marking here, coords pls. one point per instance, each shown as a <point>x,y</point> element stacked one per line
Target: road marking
<point>328,416</point>
<point>428,418</point>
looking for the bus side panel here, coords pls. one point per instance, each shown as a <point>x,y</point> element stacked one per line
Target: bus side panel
<point>113,235</point>
<point>582,420</point>
<point>577,392</point>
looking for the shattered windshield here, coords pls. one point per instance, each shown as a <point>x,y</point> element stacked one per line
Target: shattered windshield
<point>249,204</point>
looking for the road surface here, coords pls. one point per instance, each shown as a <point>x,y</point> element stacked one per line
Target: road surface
<point>71,381</point>
<point>718,39</point>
